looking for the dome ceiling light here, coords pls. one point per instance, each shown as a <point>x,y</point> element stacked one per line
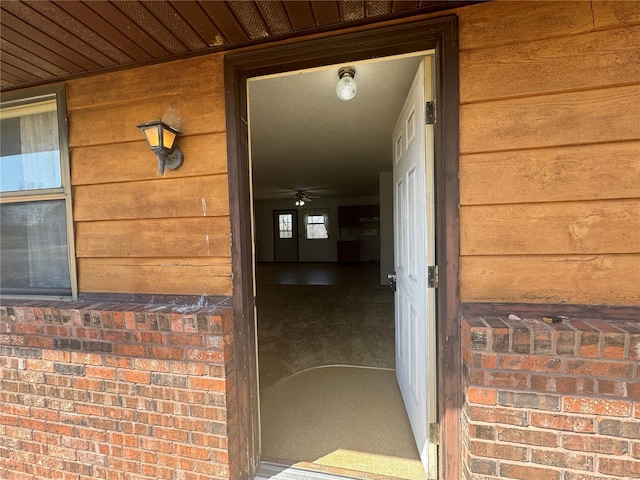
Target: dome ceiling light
<point>346,88</point>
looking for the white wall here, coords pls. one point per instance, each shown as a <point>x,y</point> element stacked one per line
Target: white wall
<point>386,226</point>
<point>309,250</point>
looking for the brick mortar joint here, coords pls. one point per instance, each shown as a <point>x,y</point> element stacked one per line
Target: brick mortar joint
<point>537,325</point>
<point>528,463</point>
<point>561,395</point>
<point>131,317</point>
<point>565,339</point>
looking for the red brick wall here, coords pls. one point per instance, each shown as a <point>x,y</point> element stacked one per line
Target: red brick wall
<point>116,392</point>
<point>557,401</point>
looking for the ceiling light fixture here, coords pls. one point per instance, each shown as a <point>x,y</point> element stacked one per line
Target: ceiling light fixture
<point>160,138</point>
<point>300,198</point>
<point>346,88</point>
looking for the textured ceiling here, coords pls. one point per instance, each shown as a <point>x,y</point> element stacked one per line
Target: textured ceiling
<point>304,137</point>
<point>43,41</point>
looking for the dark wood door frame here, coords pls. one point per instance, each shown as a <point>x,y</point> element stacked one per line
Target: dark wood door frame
<point>440,34</point>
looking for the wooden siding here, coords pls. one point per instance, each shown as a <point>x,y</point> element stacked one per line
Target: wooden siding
<point>138,231</point>
<point>549,164</point>
<point>550,152</point>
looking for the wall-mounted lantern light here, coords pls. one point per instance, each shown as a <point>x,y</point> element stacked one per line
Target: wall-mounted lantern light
<point>160,138</point>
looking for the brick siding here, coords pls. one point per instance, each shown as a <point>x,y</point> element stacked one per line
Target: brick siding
<point>551,401</point>
<point>116,391</point>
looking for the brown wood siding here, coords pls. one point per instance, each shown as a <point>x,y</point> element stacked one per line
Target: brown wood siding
<point>550,152</point>
<point>136,230</point>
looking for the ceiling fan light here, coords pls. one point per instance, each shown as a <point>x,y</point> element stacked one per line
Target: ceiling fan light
<point>346,88</point>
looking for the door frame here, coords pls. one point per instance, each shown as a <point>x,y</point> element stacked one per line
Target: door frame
<point>276,232</point>
<point>349,45</point>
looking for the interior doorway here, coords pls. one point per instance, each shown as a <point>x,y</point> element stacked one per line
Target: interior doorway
<point>285,236</point>
<point>328,391</point>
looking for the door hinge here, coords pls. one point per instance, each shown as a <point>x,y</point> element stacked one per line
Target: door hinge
<point>434,433</point>
<point>430,113</point>
<point>432,277</point>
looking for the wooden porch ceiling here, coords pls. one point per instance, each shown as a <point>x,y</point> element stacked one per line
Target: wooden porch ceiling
<point>44,41</point>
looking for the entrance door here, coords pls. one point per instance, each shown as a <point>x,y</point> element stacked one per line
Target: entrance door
<point>414,251</point>
<point>285,233</point>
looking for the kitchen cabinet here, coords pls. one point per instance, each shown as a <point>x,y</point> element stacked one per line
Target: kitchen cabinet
<point>350,215</point>
<point>348,251</point>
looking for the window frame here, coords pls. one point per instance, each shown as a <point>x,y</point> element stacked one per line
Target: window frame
<point>319,212</point>
<point>25,97</point>
<point>280,223</point>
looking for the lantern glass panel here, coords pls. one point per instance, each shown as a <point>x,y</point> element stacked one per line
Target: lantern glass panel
<point>168,137</point>
<point>152,134</point>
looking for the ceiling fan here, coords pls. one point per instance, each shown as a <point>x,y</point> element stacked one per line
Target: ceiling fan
<point>303,197</point>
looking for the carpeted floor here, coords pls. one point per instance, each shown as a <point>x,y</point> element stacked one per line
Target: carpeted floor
<point>342,417</point>
<point>304,326</point>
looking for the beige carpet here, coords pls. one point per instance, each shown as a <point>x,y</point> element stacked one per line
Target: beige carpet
<point>343,417</point>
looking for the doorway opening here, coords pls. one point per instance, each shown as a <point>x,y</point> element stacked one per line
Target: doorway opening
<point>329,332</point>
<point>439,34</point>
<point>285,236</point>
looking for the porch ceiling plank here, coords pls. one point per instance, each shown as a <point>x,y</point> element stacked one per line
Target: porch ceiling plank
<point>276,17</point>
<point>14,55</point>
<point>127,26</point>
<point>327,13</point>
<point>200,22</point>
<point>249,15</point>
<point>373,9</point>
<point>73,37</point>
<point>64,21</point>
<point>17,72</point>
<point>96,23</point>
<point>7,19</point>
<point>153,26</point>
<point>25,43</point>
<point>10,78</point>
<point>352,11</point>
<point>300,14</point>
<point>75,49</point>
<point>226,21</point>
<point>174,22</point>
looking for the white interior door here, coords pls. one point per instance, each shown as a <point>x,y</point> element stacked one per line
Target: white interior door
<point>414,251</point>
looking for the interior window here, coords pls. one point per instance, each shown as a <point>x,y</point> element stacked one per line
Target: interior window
<point>316,224</point>
<point>35,203</point>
